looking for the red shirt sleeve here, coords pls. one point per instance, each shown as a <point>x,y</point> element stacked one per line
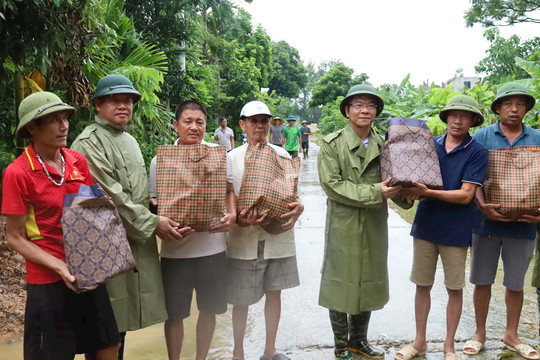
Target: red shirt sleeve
<point>15,195</point>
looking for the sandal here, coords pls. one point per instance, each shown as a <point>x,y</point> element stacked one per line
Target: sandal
<point>476,346</point>
<point>525,351</point>
<point>408,352</point>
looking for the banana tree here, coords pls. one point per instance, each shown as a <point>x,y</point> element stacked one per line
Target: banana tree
<point>123,52</point>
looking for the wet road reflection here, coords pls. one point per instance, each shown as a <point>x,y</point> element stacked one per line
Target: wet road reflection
<point>305,332</point>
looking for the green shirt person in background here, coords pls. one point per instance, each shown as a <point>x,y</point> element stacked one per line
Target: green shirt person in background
<point>115,161</point>
<point>292,137</point>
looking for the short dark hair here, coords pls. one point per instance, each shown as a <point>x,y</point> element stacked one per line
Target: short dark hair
<point>222,118</point>
<point>190,105</point>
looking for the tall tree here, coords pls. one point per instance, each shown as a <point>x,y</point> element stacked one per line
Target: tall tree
<point>259,48</point>
<point>500,60</point>
<point>336,82</point>
<point>289,71</point>
<point>502,12</point>
<point>53,41</point>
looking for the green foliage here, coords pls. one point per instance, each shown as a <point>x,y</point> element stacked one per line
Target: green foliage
<point>283,108</point>
<point>332,119</point>
<point>501,12</point>
<point>406,100</point>
<point>336,82</point>
<point>289,71</point>
<point>499,62</point>
<point>532,66</point>
<point>259,48</point>
<point>125,53</point>
<point>148,144</point>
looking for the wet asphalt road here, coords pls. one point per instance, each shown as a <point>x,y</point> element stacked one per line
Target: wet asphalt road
<point>305,332</point>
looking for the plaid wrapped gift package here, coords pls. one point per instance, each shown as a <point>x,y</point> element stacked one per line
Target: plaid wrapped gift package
<point>269,184</point>
<point>191,182</point>
<point>409,154</point>
<point>95,240</point>
<point>513,180</point>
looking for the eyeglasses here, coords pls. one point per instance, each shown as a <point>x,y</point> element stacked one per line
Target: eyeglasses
<point>359,106</point>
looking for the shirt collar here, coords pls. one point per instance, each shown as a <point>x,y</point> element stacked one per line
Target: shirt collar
<point>353,141</point>
<point>36,165</point>
<point>466,142</point>
<point>525,130</point>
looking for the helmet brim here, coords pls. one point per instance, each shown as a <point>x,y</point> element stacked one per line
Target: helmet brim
<point>530,99</point>
<point>118,89</point>
<point>443,114</point>
<point>21,128</point>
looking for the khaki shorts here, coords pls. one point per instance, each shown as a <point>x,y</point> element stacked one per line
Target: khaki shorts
<point>426,254</point>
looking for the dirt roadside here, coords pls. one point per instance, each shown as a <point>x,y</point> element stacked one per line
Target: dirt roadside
<point>12,290</point>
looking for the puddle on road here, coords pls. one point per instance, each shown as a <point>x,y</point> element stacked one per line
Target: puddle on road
<point>149,343</point>
<point>304,329</point>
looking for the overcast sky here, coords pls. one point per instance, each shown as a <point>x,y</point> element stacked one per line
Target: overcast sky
<point>386,39</point>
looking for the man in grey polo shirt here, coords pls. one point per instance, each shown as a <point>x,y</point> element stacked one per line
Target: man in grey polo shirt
<point>224,135</point>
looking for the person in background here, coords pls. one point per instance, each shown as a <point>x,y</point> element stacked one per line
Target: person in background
<point>198,262</point>
<point>495,235</point>
<point>292,137</point>
<point>275,136</point>
<point>306,132</point>
<point>58,322</point>
<point>116,162</point>
<point>463,164</point>
<point>224,135</point>
<point>260,263</point>
<point>354,278</point>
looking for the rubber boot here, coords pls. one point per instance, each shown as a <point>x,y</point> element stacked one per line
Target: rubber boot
<point>358,343</point>
<point>307,153</point>
<point>340,327</point>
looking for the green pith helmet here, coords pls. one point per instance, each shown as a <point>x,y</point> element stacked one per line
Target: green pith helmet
<point>359,90</point>
<point>115,84</point>
<point>37,105</point>
<point>511,89</point>
<point>463,102</point>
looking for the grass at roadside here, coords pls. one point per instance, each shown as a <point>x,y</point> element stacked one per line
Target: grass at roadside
<point>406,214</point>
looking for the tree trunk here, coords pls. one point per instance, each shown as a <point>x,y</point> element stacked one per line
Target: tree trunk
<point>218,85</point>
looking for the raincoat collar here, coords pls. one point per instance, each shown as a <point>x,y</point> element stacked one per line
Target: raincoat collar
<point>355,143</point>
<point>107,124</point>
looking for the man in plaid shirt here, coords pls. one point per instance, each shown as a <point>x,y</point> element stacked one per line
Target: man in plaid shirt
<point>495,234</point>
<point>260,263</point>
<point>197,261</point>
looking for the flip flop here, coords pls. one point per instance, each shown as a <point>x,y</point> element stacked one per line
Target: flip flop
<point>524,350</point>
<point>408,353</point>
<point>472,344</point>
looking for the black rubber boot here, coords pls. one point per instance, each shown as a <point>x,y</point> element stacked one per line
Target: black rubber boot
<point>358,343</point>
<point>340,327</point>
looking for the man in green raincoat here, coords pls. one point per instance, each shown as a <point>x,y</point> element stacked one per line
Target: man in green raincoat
<point>354,274</point>
<point>115,161</point>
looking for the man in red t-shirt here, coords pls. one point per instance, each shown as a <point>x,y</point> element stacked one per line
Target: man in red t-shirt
<point>59,323</point>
